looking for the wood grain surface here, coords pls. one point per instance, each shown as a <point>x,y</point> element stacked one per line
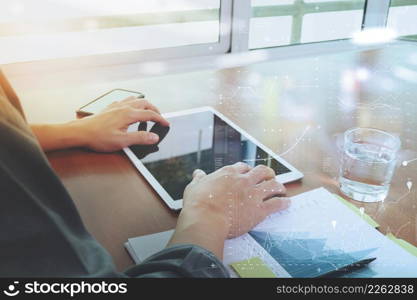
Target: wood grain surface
<point>298,107</point>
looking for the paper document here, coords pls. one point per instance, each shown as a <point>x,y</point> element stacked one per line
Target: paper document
<point>315,235</point>
<point>140,248</point>
<point>318,233</point>
<point>404,244</point>
<point>359,212</point>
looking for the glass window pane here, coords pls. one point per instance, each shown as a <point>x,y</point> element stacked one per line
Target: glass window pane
<point>285,22</point>
<point>271,2</point>
<point>403,17</point>
<point>269,24</point>
<point>60,28</point>
<point>331,25</point>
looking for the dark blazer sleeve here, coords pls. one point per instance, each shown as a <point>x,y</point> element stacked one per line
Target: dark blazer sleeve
<point>180,261</point>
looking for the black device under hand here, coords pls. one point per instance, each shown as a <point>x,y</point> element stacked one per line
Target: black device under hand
<point>348,268</point>
<point>141,151</point>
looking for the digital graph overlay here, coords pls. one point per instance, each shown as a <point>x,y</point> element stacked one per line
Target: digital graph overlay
<point>305,257</point>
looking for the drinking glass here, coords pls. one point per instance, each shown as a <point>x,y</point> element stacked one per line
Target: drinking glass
<point>368,163</point>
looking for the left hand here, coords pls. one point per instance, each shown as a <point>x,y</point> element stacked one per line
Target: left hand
<point>107,131</point>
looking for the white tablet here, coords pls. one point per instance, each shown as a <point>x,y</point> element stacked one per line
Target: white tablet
<point>203,139</point>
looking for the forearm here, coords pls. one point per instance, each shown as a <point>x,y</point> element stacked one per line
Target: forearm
<point>199,229</point>
<point>59,136</point>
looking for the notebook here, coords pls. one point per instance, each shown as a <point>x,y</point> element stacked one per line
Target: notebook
<point>140,248</point>
<point>316,234</point>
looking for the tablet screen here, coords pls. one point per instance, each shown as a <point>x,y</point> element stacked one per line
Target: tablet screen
<point>199,140</point>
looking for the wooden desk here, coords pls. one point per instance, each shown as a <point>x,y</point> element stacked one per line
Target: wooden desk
<point>299,108</point>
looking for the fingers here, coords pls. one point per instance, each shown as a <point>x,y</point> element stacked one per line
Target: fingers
<point>241,167</point>
<point>140,104</point>
<point>133,102</point>
<point>140,138</point>
<point>133,115</point>
<point>260,173</point>
<point>271,188</point>
<point>198,174</point>
<point>275,204</point>
<point>129,99</point>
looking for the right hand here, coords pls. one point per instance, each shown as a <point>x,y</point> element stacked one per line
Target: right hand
<point>236,197</point>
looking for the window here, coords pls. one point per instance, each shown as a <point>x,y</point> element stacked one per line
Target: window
<point>40,29</point>
<point>137,30</point>
<point>402,17</point>
<point>285,22</point>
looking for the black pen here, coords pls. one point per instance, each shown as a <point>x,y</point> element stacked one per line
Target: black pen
<point>348,268</point>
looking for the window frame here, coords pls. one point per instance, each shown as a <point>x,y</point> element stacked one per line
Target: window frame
<point>375,15</point>
<point>221,47</point>
<point>233,39</point>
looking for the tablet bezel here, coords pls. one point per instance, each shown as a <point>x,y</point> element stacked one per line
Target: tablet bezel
<point>293,175</point>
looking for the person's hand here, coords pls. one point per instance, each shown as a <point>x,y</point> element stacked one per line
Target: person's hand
<point>107,131</point>
<point>226,204</point>
<point>237,196</point>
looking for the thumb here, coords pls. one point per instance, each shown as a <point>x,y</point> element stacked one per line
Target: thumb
<point>276,204</point>
<point>141,138</point>
<point>197,175</point>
